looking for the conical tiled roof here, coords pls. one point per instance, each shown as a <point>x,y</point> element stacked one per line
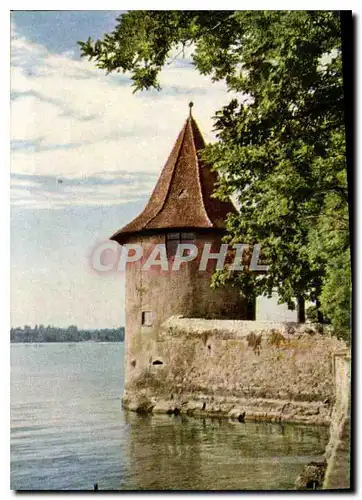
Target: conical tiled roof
<point>182,196</point>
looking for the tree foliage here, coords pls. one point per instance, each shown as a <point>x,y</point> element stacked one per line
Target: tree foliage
<point>281,140</point>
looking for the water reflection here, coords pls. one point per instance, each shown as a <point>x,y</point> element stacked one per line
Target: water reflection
<point>164,452</point>
<point>168,452</point>
<point>68,431</point>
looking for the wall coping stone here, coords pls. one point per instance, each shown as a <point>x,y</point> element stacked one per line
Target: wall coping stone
<point>177,325</point>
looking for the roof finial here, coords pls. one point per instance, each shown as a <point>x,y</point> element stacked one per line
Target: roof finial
<point>190,106</point>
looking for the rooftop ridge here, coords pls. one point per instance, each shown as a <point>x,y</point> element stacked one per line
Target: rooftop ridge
<point>183,132</point>
<point>193,123</point>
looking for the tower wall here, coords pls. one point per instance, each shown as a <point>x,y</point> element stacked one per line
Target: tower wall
<point>185,292</point>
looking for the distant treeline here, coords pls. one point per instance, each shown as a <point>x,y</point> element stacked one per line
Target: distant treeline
<point>49,333</point>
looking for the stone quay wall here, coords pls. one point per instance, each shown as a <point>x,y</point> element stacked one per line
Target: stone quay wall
<point>337,455</point>
<point>247,370</point>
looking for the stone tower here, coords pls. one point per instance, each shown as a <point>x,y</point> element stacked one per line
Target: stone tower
<point>181,209</point>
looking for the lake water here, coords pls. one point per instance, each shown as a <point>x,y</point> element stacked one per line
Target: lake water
<point>68,431</point>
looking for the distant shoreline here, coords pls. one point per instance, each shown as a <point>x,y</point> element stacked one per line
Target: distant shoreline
<point>49,334</point>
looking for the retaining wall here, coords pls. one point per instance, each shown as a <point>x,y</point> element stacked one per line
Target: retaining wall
<point>338,450</point>
<point>250,370</point>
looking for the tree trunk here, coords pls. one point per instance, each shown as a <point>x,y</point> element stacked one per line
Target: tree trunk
<point>250,309</point>
<point>301,310</point>
<point>320,317</point>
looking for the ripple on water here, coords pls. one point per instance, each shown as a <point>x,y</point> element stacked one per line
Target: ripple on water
<point>69,432</point>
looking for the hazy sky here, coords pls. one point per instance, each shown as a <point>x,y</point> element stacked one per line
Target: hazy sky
<point>71,122</point>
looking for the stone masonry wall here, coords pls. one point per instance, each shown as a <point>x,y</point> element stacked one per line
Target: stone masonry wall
<point>338,450</point>
<point>164,293</point>
<point>240,369</point>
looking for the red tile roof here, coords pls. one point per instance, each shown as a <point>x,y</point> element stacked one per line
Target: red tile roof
<point>182,196</point>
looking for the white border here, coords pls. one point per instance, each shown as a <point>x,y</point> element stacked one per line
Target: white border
<point>185,5</point>
<point>4,184</point>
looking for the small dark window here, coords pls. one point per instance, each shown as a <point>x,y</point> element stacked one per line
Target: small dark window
<point>174,239</point>
<point>147,318</point>
<point>188,237</point>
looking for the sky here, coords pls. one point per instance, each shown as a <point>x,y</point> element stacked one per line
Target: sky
<point>70,122</point>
